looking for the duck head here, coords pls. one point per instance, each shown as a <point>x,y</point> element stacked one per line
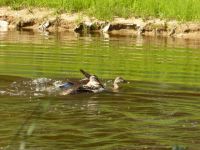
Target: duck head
<point>117,82</point>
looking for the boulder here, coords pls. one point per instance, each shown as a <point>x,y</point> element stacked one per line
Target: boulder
<point>44,25</point>
<point>3,25</point>
<point>25,23</point>
<point>106,28</point>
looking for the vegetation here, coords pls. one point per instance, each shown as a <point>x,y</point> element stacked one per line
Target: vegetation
<point>106,9</point>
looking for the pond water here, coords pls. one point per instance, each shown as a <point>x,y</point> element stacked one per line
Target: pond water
<point>158,109</point>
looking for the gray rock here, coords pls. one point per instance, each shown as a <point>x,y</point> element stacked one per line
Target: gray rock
<point>106,28</point>
<point>140,30</point>
<point>86,27</point>
<point>79,28</point>
<point>25,23</point>
<point>3,25</point>
<point>172,32</point>
<point>44,26</point>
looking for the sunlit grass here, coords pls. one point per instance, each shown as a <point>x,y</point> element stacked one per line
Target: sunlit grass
<point>107,9</point>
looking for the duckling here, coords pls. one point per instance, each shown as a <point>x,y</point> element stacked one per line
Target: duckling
<point>117,82</point>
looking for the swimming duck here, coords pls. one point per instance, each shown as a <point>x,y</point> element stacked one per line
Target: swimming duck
<point>117,82</point>
<point>89,84</point>
<point>94,85</point>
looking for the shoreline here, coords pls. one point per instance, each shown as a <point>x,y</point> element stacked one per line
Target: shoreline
<point>43,19</point>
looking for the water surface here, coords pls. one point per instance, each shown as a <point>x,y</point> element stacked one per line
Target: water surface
<point>158,109</point>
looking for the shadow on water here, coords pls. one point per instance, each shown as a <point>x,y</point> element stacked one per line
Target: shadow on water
<point>157,110</point>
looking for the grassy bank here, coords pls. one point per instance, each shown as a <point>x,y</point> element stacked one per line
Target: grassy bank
<point>105,9</point>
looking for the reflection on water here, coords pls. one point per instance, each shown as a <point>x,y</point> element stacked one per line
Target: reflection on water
<point>158,109</point>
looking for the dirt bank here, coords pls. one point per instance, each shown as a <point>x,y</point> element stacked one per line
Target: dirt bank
<point>43,19</point>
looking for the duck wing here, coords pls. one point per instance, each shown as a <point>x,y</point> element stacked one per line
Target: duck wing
<point>66,85</point>
<point>83,89</point>
<point>86,74</point>
<point>69,88</point>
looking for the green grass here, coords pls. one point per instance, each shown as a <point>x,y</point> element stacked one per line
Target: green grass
<point>107,9</point>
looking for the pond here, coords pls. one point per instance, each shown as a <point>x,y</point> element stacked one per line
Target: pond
<point>157,109</point>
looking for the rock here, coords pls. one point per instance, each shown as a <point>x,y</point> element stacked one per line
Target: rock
<point>79,28</point>
<point>105,28</point>
<point>139,23</point>
<point>82,27</point>
<point>106,36</point>
<point>2,92</point>
<point>44,26</point>
<point>149,26</point>
<point>3,25</point>
<point>87,27</point>
<point>159,22</point>
<point>172,23</point>
<point>88,24</point>
<point>172,32</point>
<point>194,27</point>
<point>140,26</point>
<point>140,30</point>
<point>25,23</point>
<point>120,26</point>
<point>95,26</point>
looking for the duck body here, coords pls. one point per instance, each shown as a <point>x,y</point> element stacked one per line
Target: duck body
<point>72,88</point>
<point>94,85</point>
<point>90,84</point>
<point>66,85</point>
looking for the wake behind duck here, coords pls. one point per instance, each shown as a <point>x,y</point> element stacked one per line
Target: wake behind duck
<point>40,87</point>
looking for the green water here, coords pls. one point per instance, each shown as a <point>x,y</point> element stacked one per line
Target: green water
<point>158,109</point>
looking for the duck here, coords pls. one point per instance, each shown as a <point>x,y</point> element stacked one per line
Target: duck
<point>90,84</point>
<point>69,84</point>
<point>117,82</point>
<point>94,85</point>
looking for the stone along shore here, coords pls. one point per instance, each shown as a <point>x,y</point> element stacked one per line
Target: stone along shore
<point>43,19</point>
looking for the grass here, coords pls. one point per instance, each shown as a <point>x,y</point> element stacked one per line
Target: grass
<point>185,10</point>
